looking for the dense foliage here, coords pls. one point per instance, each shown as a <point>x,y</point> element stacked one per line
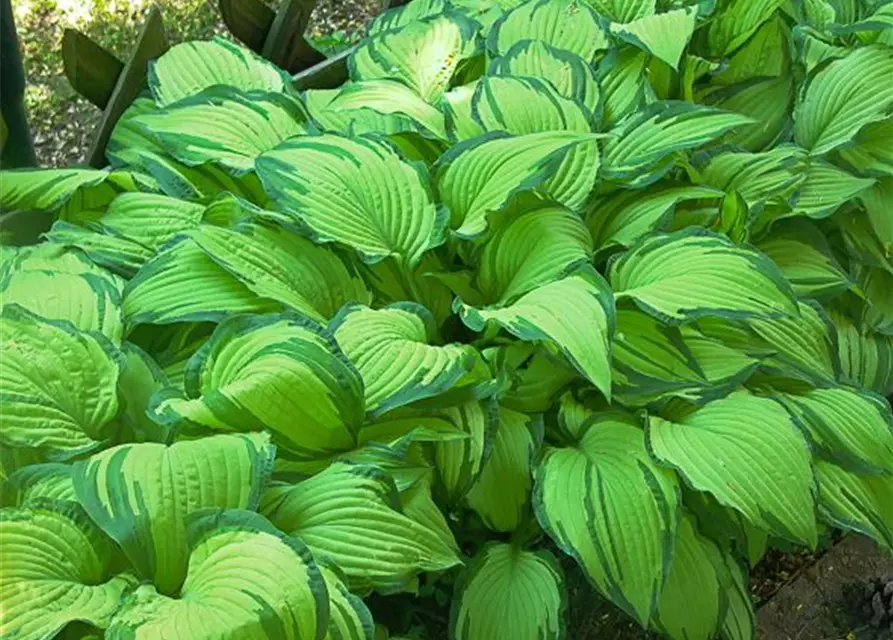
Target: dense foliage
<point>611,279</point>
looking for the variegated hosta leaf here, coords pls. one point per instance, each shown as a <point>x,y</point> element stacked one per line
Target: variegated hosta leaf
<point>692,604</point>
<point>739,19</point>
<point>872,151</point>
<point>58,385</point>
<point>172,345</point>
<point>746,451</point>
<point>349,514</point>
<point>662,35</point>
<point>140,379</point>
<point>651,360</point>
<point>55,571</point>
<point>756,177</point>
<point>356,191</point>
<point>150,219</point>
<point>458,463</point>
<point>506,592</point>
<point>642,146</point>
<point>245,579</point>
<point>502,491</point>
<point>766,102</point>
<point>191,67</point>
<point>567,72</point>
<point>141,495</point>
<point>357,120</point>
<point>803,256</point>
<point>622,218</point>
<point>131,147</point>
<point>574,315</point>
<point>349,618</point>
<point>877,311</point>
<point>623,82</point>
<point>825,188</point>
<point>533,250</point>
<point>89,301</point>
<point>419,506</point>
<point>35,482</point>
<point>117,254</point>
<point>520,105</point>
<point>422,54</point>
<point>282,372</point>
<point>401,16</point>
<point>861,503</point>
<point>589,497</point>
<point>850,427</point>
<point>571,25</point>
<point>843,97</point>
<point>281,265</point>
<point>876,202</point>
<point>537,380</point>
<point>226,126</point>
<point>164,289</point>
<point>389,97</point>
<point>624,10</point>
<point>679,277</point>
<point>481,176</point>
<point>68,190</point>
<point>391,348</point>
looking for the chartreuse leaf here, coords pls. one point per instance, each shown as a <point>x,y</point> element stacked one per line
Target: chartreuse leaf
<point>349,618</point>
<point>391,349</point>
<point>691,604</point>
<point>756,177</point>
<point>458,463</point>
<point>419,505</point>
<point>391,97</point>
<point>589,497</point>
<point>662,35</point>
<point>282,372</point>
<point>875,200</point>
<point>141,495</point>
<point>172,345</point>
<point>689,274</point>
<point>736,22</point>
<point>191,67</point>
<point>164,289</point>
<point>242,574</point>
<point>764,55</point>
<point>740,619</point>
<point>537,380</point>
<point>574,315</point>
<point>533,250</point>
<point>746,451</point>
<point>350,514</point>
<point>351,118</point>
<point>843,97</point>
<point>89,301</point>
<point>281,265</point>
<point>226,126</point>
<point>501,493</point>
<point>355,191</point>
<point>567,72</point>
<point>520,105</point>
<point>571,25</point>
<point>803,256</point>
<point>58,385</point>
<point>651,359</point>
<point>624,10</point>
<point>767,102</point>
<point>506,592</point>
<point>422,54</point>
<point>641,144</point>
<point>480,176</point>
<point>862,503</point>
<point>850,427</point>
<point>55,571</point>
<point>36,482</point>
<point>622,218</point>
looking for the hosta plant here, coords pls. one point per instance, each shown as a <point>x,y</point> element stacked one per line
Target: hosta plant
<point>609,279</point>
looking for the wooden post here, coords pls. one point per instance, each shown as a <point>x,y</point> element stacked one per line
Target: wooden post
<point>17,147</point>
<point>107,82</point>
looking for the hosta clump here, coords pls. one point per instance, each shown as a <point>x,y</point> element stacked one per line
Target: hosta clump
<point>610,277</point>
